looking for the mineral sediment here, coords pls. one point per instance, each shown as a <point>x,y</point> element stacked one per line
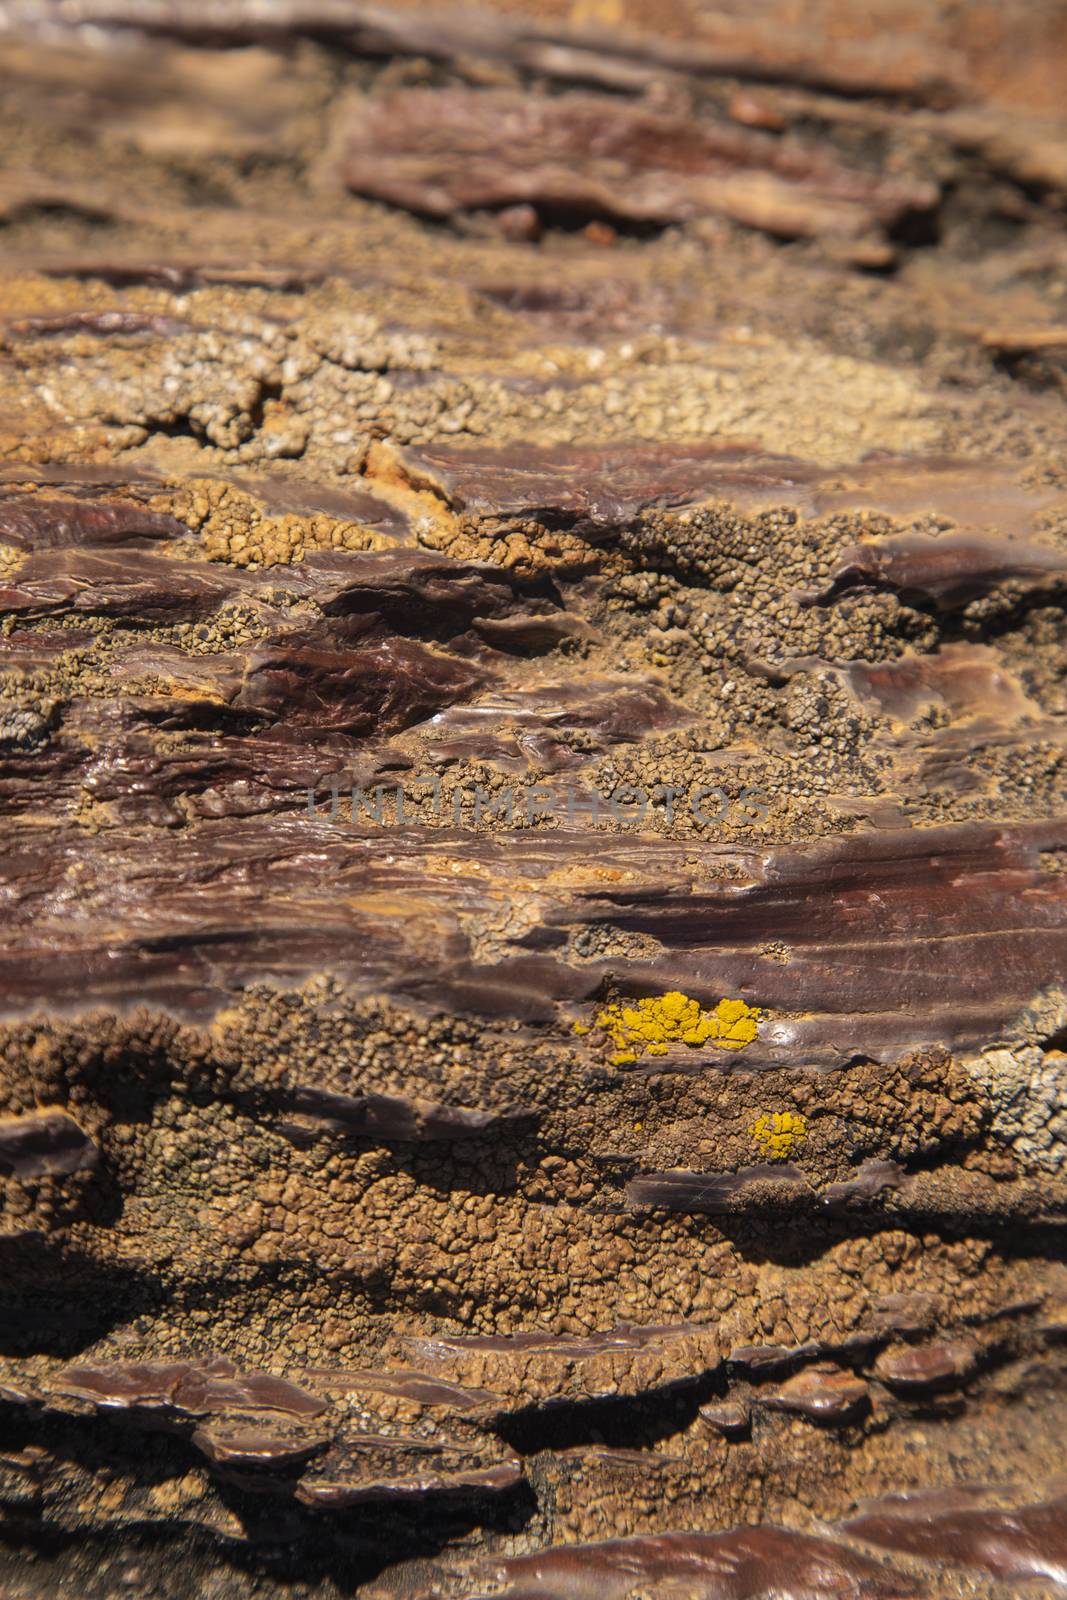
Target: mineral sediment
<point>533,801</point>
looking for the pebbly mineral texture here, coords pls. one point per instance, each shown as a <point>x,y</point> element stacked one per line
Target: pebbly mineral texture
<point>533,800</point>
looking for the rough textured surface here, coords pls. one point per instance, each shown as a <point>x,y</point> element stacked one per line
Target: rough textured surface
<point>533,802</point>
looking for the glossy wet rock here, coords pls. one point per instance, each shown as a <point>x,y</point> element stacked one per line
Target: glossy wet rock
<point>705,1566</point>
<point>236,1447</point>
<point>824,1396</point>
<point>1019,1543</point>
<point>423,1388</point>
<point>187,1387</point>
<point>925,1367</point>
<point>597,487</point>
<point>728,1417</point>
<point>42,524</point>
<point>949,573</point>
<point>381,1470</point>
<point>45,1143</point>
<point>989,921</point>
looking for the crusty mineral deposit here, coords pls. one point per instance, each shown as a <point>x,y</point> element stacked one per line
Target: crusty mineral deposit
<point>533,800</point>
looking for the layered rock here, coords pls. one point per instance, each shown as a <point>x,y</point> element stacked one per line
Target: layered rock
<point>532,1009</point>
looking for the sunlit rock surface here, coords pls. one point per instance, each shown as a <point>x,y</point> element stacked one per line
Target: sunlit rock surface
<point>533,679</point>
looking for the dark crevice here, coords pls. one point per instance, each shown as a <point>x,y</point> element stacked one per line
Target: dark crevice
<point>1039,370</point>
<point>177,428</point>
<point>917,230</point>
<point>268,390</point>
<point>32,211</point>
<point>284,1537</point>
<point>631,1422</point>
<point>57,1302</point>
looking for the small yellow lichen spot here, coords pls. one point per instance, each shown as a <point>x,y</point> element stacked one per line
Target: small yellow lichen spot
<point>651,1026</point>
<point>581,1027</point>
<point>777,1135</point>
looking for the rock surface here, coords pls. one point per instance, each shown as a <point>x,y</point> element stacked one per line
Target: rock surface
<point>533,820</point>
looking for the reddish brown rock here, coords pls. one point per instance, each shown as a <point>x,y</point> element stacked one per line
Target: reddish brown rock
<point>871,1180</point>
<point>236,1447</point>
<point>710,1566</point>
<point>770,1360</point>
<point>973,901</point>
<point>46,524</point>
<point>728,1417</point>
<point>925,1367</point>
<point>437,151</point>
<point>389,1117</point>
<point>369,1470</point>
<point>103,324</point>
<point>599,488</point>
<point>422,1388</point>
<point>47,1143</point>
<point>967,679</point>
<point>193,1387</point>
<point>951,572</point>
<point>353,691</point>
<point>822,1395</point>
<point>767,1183</point>
<point>1026,1542</point>
<point>136,585</point>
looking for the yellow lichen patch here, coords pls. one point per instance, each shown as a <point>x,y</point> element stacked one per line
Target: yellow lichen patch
<point>738,1024</point>
<point>236,529</point>
<point>777,1135</point>
<point>650,1027</point>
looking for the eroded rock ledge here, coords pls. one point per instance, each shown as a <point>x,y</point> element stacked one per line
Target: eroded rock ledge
<point>533,1018</point>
